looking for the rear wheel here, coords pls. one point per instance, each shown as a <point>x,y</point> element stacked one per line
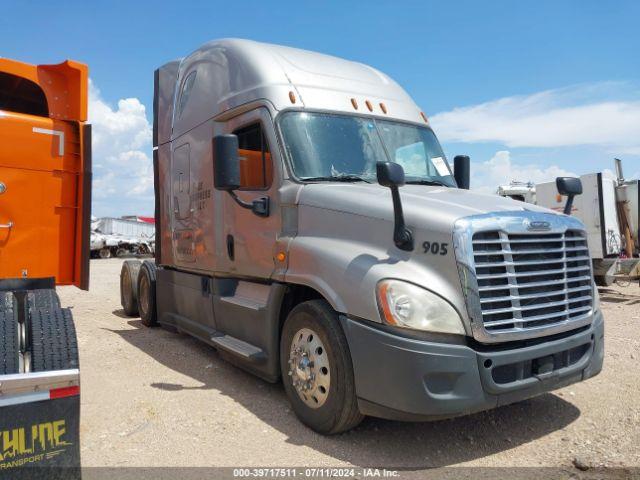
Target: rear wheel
<point>6,301</point>
<point>129,287</point>
<point>105,252</point>
<point>47,299</point>
<point>54,345</point>
<point>316,369</point>
<point>147,294</point>
<point>9,343</point>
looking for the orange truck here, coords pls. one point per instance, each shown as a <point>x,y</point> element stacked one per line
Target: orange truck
<point>45,208</point>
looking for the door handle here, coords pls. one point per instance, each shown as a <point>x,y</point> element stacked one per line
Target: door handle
<point>6,225</point>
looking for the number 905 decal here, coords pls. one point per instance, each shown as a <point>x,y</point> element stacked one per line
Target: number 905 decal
<point>435,248</point>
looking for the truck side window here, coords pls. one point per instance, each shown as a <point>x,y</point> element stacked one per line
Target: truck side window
<point>255,160</point>
<point>20,95</point>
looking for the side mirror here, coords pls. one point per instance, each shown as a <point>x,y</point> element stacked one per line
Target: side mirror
<point>391,175</point>
<point>226,164</point>
<point>570,187</point>
<point>462,171</point>
<point>226,173</point>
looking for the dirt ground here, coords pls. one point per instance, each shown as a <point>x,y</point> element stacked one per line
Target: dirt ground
<point>155,398</point>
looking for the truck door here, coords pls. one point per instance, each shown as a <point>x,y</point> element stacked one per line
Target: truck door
<point>249,239</point>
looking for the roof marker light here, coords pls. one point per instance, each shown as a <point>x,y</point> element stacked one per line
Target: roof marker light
<point>369,106</point>
<point>383,107</point>
<point>292,96</point>
<point>354,103</point>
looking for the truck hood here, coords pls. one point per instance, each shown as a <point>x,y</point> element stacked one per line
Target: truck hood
<point>344,240</point>
<point>419,202</point>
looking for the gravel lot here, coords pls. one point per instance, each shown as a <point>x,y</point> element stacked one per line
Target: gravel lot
<point>155,398</point>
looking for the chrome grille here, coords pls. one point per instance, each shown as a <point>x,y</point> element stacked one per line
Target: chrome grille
<point>529,280</point>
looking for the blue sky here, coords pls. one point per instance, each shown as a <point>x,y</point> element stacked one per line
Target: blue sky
<point>528,89</point>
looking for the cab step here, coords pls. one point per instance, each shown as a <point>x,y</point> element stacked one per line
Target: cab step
<point>240,348</point>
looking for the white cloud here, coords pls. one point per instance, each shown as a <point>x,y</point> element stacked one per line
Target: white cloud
<point>123,173</point>
<point>500,170</point>
<point>564,117</point>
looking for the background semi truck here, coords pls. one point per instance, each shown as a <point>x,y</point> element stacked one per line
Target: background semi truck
<point>608,207</point>
<point>309,226</point>
<point>45,203</point>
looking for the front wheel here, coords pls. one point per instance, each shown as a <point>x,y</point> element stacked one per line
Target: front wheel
<point>316,369</point>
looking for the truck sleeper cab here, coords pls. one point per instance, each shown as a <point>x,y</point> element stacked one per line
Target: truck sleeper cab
<point>310,228</point>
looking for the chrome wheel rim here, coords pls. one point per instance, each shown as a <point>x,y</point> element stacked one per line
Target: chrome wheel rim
<point>309,368</point>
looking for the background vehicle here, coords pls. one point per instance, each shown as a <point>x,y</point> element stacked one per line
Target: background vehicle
<point>117,237</point>
<point>45,203</point>
<point>608,208</point>
<point>285,241</point>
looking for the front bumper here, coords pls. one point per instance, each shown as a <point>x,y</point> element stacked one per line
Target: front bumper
<point>405,379</point>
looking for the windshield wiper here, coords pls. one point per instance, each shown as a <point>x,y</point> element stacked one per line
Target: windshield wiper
<point>336,178</point>
<point>438,183</point>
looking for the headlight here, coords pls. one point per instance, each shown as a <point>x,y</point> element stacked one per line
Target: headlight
<point>406,305</point>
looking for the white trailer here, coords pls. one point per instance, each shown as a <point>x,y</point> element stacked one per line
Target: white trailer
<point>115,237</point>
<point>125,227</point>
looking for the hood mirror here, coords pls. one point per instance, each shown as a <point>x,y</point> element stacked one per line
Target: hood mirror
<point>391,175</point>
<point>462,171</point>
<point>569,187</point>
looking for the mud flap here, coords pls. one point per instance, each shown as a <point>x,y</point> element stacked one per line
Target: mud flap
<point>41,439</point>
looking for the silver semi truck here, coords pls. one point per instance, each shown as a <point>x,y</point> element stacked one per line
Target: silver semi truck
<point>310,228</point>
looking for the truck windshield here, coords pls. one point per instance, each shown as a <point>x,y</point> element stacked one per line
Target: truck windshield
<point>346,148</point>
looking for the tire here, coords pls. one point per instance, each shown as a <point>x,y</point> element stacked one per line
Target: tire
<point>129,287</point>
<point>337,408</point>
<point>622,283</point>
<point>53,343</point>
<point>43,299</point>
<point>9,343</point>
<point>147,294</point>
<point>105,252</point>
<point>6,301</point>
